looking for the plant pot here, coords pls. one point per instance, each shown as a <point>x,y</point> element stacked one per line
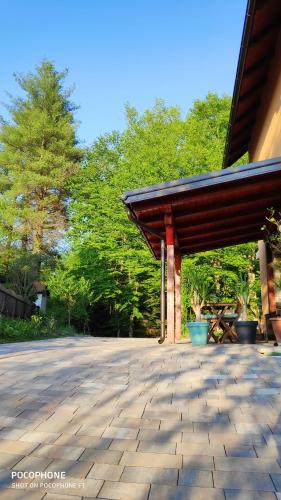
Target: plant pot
<point>276,324</point>
<point>198,331</point>
<point>246,331</point>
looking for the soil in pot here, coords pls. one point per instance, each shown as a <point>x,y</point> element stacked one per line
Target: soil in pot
<point>246,331</point>
<point>276,323</point>
<point>198,331</point>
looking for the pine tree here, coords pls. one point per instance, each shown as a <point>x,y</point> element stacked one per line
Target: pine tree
<point>39,154</point>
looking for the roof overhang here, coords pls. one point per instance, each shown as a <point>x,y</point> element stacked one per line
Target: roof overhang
<point>213,210</point>
<point>260,33</point>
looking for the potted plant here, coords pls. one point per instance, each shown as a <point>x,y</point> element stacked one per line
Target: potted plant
<point>246,329</point>
<point>198,289</point>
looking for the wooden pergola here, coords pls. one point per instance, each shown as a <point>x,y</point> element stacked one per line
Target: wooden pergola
<point>196,214</point>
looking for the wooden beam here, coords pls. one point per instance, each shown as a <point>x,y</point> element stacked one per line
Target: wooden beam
<point>205,246</point>
<point>177,296</point>
<point>239,208</point>
<point>225,222</point>
<point>257,65</point>
<point>275,25</point>
<point>255,219</point>
<point>170,243</point>
<point>270,282</point>
<point>212,197</point>
<point>220,234</point>
<point>255,88</point>
<point>263,280</point>
<point>202,245</point>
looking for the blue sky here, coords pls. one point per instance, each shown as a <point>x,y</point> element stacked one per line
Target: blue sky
<point>120,51</point>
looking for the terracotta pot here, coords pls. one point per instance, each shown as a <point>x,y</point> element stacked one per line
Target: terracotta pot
<point>276,323</point>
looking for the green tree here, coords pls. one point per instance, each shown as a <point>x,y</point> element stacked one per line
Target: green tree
<point>205,133</point>
<point>38,156</point>
<point>107,248</point>
<point>74,292</point>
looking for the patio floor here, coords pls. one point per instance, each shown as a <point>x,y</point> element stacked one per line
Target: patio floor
<point>129,419</point>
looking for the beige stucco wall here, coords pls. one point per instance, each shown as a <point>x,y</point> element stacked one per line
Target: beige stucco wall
<point>266,137</point>
<point>266,143</point>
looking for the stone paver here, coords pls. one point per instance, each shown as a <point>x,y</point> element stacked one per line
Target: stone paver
<point>71,468</point>
<point>241,451</point>
<point>17,447</point>
<point>243,481</point>
<point>151,460</point>
<point>120,433</point>
<point>195,477</point>
<point>20,494</point>
<point>8,460</point>
<point>276,478</point>
<point>39,437</point>
<point>200,449</point>
<point>246,464</point>
<point>249,495</point>
<point>106,472</point>
<point>53,451</point>
<point>184,493</point>
<point>102,456</point>
<point>202,462</point>
<point>83,487</point>
<point>124,445</point>
<point>83,441</point>
<point>129,419</point>
<point>157,447</point>
<point>126,491</point>
<point>11,434</point>
<point>32,463</point>
<point>152,475</point>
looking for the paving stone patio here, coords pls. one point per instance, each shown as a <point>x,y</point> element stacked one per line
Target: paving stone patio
<point>129,419</point>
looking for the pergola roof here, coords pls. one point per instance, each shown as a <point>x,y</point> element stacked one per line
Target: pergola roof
<point>261,29</point>
<point>209,211</point>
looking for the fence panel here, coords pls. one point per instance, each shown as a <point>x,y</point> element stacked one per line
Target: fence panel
<point>14,305</point>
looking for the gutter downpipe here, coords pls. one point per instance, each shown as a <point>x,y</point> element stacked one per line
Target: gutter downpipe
<point>163,301</point>
<point>162,296</point>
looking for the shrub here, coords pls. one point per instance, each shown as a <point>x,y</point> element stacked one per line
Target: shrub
<point>37,327</point>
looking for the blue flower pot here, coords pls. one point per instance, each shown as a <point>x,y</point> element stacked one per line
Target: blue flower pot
<point>198,331</point>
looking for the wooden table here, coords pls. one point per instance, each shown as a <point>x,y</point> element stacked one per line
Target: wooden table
<point>220,321</point>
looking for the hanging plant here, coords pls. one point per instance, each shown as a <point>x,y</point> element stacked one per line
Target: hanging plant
<point>272,230</point>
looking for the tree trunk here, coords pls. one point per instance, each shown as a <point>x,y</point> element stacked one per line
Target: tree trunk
<point>131,329</point>
<point>118,327</point>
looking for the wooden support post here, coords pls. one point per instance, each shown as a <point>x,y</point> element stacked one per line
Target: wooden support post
<point>270,282</point>
<point>170,243</point>
<point>177,296</point>
<point>263,279</point>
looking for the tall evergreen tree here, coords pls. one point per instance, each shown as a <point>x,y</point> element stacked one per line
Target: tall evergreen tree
<point>39,154</point>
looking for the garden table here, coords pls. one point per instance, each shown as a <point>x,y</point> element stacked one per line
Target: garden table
<point>221,318</point>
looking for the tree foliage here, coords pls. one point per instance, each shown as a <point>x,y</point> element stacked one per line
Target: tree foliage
<point>38,156</point>
<point>157,146</point>
<point>104,279</point>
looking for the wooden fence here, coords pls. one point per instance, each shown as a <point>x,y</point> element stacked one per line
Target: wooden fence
<point>15,305</point>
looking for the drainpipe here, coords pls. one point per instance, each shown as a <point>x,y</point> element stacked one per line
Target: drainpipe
<point>146,228</point>
<point>163,301</point>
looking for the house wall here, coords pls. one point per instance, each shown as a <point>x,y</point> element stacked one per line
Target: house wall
<point>266,136</point>
<point>266,143</point>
